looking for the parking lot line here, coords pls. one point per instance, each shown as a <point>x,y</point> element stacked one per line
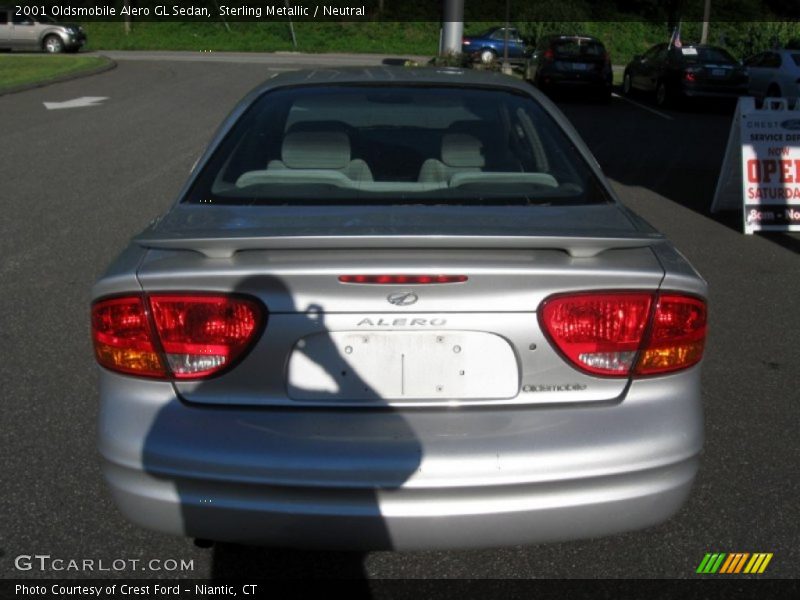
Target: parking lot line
<point>642,106</point>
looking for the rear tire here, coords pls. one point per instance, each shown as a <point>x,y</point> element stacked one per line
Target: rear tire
<point>53,44</point>
<point>627,84</point>
<point>663,95</point>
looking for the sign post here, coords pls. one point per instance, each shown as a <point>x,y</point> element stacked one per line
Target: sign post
<point>761,168</point>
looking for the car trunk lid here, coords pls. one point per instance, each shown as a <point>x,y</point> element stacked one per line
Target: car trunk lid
<point>334,344</point>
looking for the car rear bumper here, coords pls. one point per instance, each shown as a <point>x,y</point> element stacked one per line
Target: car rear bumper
<point>576,79</point>
<point>713,92</point>
<point>383,479</point>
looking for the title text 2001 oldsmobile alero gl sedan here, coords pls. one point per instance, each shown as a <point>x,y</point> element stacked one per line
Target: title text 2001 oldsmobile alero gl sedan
<point>398,308</point>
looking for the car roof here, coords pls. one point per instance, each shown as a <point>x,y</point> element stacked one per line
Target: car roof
<point>393,75</point>
<point>691,45</point>
<point>564,36</point>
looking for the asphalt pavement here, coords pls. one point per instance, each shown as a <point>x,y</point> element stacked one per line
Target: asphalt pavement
<point>77,183</point>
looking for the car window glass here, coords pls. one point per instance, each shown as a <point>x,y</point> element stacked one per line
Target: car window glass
<point>578,47</point>
<point>21,20</point>
<point>772,60</point>
<point>754,61</point>
<point>707,55</point>
<point>394,145</point>
<point>3,17</point>
<point>500,34</point>
<point>653,52</point>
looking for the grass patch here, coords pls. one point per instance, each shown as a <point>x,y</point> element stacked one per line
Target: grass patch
<point>22,70</point>
<point>389,38</point>
<point>623,39</point>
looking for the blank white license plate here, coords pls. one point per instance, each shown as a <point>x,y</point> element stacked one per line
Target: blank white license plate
<point>391,365</point>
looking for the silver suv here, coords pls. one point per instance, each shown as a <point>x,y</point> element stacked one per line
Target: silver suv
<point>21,32</point>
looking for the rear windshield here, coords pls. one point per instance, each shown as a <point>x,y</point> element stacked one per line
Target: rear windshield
<point>717,56</point>
<point>400,144</point>
<point>578,47</point>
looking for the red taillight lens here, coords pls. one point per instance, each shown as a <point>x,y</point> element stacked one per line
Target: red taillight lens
<point>600,333</point>
<point>402,279</point>
<point>678,335</point>
<point>549,54</point>
<point>690,75</point>
<point>201,335</point>
<point>603,333</point>
<point>197,335</point>
<point>123,338</point>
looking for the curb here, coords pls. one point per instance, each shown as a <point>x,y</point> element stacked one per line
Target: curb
<point>111,64</point>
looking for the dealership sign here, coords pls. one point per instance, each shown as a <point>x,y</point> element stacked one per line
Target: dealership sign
<point>761,169</point>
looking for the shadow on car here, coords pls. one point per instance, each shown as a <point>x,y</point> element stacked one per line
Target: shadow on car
<point>270,501</point>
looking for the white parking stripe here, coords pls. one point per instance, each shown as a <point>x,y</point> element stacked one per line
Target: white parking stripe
<point>642,106</point>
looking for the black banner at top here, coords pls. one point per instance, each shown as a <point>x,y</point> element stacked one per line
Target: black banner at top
<point>405,10</point>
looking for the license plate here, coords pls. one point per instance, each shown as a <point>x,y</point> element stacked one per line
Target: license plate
<point>719,72</point>
<point>446,365</point>
<point>580,66</point>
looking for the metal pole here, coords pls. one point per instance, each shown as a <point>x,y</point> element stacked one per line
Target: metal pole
<point>291,26</point>
<point>452,26</point>
<point>227,27</point>
<point>706,18</point>
<point>127,21</point>
<point>506,66</point>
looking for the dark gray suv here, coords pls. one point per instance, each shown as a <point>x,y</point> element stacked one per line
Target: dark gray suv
<point>21,32</point>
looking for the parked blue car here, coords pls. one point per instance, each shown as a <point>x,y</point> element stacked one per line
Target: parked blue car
<point>488,46</point>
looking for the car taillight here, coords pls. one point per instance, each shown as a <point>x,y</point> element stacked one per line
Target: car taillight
<point>403,279</point>
<point>677,337</point>
<point>465,42</point>
<point>549,55</point>
<point>123,338</point>
<point>184,336</point>
<point>620,333</point>
<point>690,75</point>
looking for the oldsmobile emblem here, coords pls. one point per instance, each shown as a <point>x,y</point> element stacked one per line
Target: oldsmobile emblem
<point>402,298</point>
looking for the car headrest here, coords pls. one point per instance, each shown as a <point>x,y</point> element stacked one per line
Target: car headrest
<point>462,150</point>
<point>317,126</point>
<point>316,150</point>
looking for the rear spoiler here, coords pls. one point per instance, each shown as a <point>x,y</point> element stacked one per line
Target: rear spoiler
<point>214,246</point>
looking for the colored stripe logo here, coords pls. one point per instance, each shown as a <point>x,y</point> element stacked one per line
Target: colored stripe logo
<point>734,562</point>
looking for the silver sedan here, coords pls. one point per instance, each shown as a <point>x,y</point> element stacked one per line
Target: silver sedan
<point>398,308</point>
